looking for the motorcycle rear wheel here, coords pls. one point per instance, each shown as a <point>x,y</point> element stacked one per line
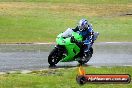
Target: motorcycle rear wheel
<point>89,55</point>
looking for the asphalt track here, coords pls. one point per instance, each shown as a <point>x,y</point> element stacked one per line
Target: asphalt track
<point>15,57</point>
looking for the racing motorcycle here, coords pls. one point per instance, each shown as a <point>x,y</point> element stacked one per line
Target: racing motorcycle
<point>70,49</point>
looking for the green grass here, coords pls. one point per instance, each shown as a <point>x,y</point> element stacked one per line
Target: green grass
<point>60,78</point>
<point>43,20</point>
<point>75,1</point>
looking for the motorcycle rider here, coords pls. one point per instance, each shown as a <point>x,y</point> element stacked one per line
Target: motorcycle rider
<point>85,29</point>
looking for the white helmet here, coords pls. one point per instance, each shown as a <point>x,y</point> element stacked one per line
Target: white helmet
<point>83,24</point>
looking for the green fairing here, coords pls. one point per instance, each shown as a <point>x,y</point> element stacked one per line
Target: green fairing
<point>69,46</point>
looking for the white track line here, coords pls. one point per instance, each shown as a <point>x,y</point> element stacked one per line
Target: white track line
<point>44,43</point>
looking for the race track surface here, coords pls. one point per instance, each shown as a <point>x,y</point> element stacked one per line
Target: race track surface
<point>34,56</point>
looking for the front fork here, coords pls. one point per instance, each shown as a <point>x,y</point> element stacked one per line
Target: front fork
<point>61,51</point>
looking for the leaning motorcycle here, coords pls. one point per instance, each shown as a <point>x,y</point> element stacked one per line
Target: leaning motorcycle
<point>66,50</point>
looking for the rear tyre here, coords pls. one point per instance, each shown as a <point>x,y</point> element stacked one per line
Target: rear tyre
<point>87,58</point>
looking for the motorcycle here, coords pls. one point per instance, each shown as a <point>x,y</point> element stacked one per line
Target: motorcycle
<point>66,50</point>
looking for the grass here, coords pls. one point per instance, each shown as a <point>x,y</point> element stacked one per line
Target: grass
<point>75,1</point>
<point>41,21</point>
<point>60,78</point>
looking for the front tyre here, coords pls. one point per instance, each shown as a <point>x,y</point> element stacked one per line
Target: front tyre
<point>53,58</point>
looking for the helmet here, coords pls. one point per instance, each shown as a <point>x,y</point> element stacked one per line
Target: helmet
<point>83,25</point>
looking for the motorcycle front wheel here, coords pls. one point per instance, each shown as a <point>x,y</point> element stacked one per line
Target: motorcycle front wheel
<point>53,57</point>
<point>56,55</point>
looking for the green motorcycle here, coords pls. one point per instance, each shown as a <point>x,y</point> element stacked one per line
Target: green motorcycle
<point>66,51</point>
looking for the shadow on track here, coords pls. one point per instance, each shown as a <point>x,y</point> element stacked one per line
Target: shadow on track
<point>67,66</point>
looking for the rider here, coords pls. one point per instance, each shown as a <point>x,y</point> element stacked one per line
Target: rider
<point>85,29</point>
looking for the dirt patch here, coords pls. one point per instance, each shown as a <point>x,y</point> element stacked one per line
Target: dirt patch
<point>129,14</point>
<point>126,14</point>
<point>48,72</point>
